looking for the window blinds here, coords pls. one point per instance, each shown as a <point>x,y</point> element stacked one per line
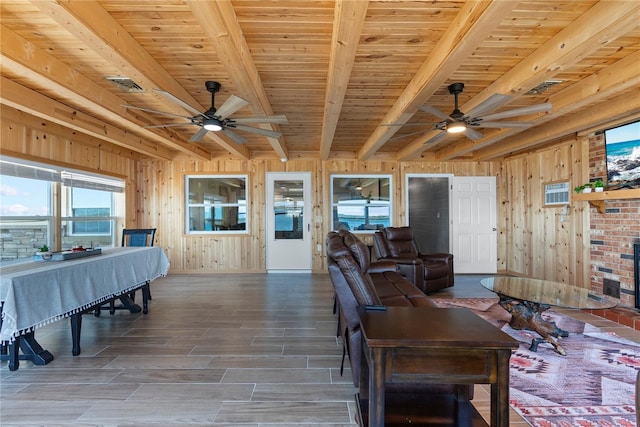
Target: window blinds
<point>70,178</point>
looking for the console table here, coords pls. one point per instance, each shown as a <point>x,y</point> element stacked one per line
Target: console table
<point>34,294</point>
<point>437,346</point>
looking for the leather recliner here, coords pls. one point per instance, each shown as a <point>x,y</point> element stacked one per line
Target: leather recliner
<point>429,272</point>
<point>357,281</point>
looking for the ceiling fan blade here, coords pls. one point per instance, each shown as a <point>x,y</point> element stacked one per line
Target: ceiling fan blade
<point>538,108</point>
<point>434,112</point>
<point>230,106</point>
<point>148,110</point>
<point>178,101</point>
<point>500,125</point>
<point>259,131</point>
<point>168,125</point>
<point>436,138</point>
<point>264,119</point>
<point>234,136</point>
<point>396,136</point>
<point>496,100</point>
<point>411,124</point>
<point>197,137</point>
<point>472,134</point>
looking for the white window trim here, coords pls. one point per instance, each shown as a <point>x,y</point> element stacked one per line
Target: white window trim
<point>362,176</point>
<point>221,204</point>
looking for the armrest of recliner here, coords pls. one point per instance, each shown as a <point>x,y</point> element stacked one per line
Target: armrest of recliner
<point>443,257</point>
<point>404,261</point>
<point>411,269</point>
<point>382,266</point>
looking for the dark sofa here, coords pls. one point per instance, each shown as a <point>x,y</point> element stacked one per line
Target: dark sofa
<point>358,281</point>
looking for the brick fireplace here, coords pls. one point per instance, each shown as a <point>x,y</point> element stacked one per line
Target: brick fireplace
<point>614,233</point>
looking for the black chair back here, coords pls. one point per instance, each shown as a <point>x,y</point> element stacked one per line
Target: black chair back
<point>138,236</point>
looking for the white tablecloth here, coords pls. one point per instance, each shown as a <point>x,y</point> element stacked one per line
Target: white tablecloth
<point>38,293</point>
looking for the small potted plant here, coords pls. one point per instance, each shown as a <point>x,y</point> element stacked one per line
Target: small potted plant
<point>578,189</point>
<point>587,188</point>
<point>598,185</point>
<point>43,253</point>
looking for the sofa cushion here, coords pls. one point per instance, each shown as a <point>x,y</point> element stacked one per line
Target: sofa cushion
<point>395,290</point>
<point>359,280</point>
<point>358,249</point>
<point>360,284</point>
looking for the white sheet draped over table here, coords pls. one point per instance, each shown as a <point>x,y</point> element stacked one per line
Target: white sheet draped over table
<point>38,293</point>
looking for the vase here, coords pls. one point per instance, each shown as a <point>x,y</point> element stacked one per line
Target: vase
<point>43,256</point>
<point>599,189</point>
<point>587,190</point>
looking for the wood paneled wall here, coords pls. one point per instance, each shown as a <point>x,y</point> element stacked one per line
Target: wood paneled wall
<point>544,242</point>
<point>533,240</point>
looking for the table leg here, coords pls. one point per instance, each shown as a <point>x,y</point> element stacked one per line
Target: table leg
<point>33,351</point>
<point>146,296</point>
<point>128,304</point>
<point>76,327</point>
<point>376,387</point>
<point>528,315</point>
<point>14,359</point>
<point>500,391</point>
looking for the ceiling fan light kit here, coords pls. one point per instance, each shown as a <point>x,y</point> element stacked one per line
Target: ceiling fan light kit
<point>456,127</point>
<point>213,125</point>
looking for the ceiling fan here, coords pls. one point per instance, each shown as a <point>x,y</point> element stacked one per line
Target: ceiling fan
<point>217,120</point>
<point>478,117</point>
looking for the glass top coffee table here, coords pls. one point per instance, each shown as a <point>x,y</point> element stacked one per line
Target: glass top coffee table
<point>526,299</point>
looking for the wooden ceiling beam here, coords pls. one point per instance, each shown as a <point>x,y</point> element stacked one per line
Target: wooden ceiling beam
<point>93,25</point>
<point>473,24</point>
<point>220,25</point>
<point>602,24</point>
<point>348,20</point>
<point>21,58</point>
<point>599,114</point>
<point>29,101</point>
<point>598,87</point>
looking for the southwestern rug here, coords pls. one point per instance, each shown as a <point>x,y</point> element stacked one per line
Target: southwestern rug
<point>593,385</point>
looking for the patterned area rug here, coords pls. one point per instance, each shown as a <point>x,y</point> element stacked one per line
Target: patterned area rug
<point>593,385</point>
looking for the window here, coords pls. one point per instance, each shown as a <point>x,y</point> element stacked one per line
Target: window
<point>361,203</point>
<point>25,216</point>
<point>216,204</point>
<point>94,207</point>
<point>28,221</point>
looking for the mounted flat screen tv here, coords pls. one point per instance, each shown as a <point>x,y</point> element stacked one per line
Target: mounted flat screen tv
<point>623,156</point>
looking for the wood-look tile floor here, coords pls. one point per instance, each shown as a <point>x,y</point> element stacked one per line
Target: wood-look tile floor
<point>243,350</point>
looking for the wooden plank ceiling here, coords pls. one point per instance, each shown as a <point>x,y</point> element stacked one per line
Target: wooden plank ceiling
<point>340,71</point>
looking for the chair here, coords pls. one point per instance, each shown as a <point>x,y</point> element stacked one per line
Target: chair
<point>138,236</point>
<point>429,272</point>
<point>133,237</point>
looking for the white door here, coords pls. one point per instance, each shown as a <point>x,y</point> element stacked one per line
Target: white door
<point>474,225</point>
<point>289,222</point>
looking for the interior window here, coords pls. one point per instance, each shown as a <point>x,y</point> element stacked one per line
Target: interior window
<point>216,204</point>
<point>361,203</point>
